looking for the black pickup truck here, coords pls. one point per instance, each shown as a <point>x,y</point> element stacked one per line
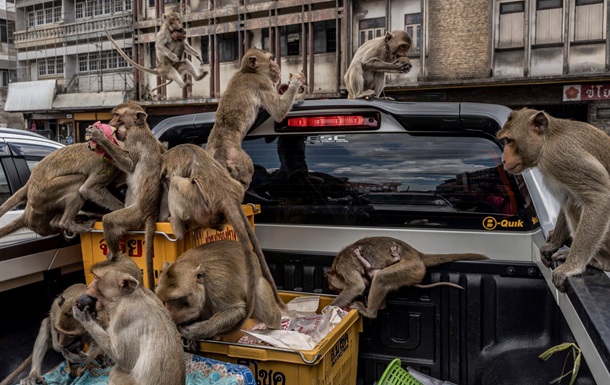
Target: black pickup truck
<point>335,171</point>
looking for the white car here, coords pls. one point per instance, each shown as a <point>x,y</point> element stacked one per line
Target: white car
<point>26,257</point>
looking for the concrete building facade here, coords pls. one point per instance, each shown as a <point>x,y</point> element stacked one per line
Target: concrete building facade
<point>549,54</point>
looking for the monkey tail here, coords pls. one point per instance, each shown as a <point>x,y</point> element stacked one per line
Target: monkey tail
<point>261,259</point>
<point>437,259</point>
<point>149,241</point>
<point>15,200</point>
<point>23,366</point>
<point>128,59</point>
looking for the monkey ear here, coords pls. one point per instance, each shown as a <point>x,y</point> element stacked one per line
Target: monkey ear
<point>141,117</point>
<point>252,62</point>
<point>165,265</point>
<point>199,274</point>
<point>540,122</point>
<point>128,284</point>
<point>61,300</point>
<point>388,36</point>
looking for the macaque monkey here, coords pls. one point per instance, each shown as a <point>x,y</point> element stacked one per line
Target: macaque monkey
<point>382,265</point>
<point>207,291</point>
<point>64,334</point>
<point>57,189</point>
<point>574,159</point>
<point>170,47</point>
<point>140,160</point>
<point>365,77</point>
<point>253,86</point>
<point>198,191</point>
<point>301,91</point>
<point>140,338</point>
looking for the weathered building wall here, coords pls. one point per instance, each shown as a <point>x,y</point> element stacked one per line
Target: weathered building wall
<point>458,40</point>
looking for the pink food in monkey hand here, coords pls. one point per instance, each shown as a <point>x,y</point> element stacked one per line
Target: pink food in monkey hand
<point>109,132</point>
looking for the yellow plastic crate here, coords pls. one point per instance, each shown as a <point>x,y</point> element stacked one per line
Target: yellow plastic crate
<point>166,248</point>
<point>333,361</point>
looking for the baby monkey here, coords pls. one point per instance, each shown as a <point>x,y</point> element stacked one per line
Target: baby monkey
<point>382,265</point>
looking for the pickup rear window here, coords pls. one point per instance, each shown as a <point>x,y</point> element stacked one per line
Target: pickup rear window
<point>387,180</point>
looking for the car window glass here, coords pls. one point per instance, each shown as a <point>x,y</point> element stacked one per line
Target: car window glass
<point>5,191</point>
<point>381,179</point>
<point>32,153</point>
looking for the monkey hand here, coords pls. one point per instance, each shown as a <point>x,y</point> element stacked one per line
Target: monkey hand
<point>402,64</point>
<point>297,82</point>
<point>83,316</point>
<point>33,379</point>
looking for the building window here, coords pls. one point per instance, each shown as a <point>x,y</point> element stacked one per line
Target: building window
<point>94,61</point>
<point>290,40</point>
<point>413,29</point>
<point>88,8</point>
<point>324,36</point>
<point>589,20</point>
<point>3,31</point>
<point>44,16</point>
<point>371,28</point>
<point>549,21</point>
<point>511,25</point>
<point>205,49</point>
<point>31,19</point>
<point>227,47</point>
<point>153,55</point>
<point>4,78</point>
<point>51,66</point>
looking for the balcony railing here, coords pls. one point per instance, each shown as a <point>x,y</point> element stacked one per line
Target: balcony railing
<point>80,29</point>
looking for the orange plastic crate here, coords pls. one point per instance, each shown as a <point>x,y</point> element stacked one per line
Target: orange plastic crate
<point>333,361</point>
<point>166,248</point>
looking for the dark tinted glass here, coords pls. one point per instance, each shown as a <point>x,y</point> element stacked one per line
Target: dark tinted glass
<point>392,179</point>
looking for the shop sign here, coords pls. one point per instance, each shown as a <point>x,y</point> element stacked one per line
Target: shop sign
<point>580,92</point>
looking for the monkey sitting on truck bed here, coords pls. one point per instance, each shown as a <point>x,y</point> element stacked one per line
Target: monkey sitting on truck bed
<point>382,265</point>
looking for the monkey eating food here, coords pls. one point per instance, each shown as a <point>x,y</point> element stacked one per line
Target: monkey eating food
<point>253,86</point>
<point>64,334</point>
<point>170,48</point>
<point>140,338</point>
<point>207,291</point>
<point>574,160</point>
<point>140,160</point>
<point>365,77</point>
<point>382,265</point>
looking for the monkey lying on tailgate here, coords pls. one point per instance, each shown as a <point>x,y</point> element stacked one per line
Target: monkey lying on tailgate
<point>140,338</point>
<point>253,86</point>
<point>382,264</point>
<point>57,189</point>
<point>574,159</point>
<point>140,159</point>
<point>62,332</point>
<point>365,77</point>
<point>198,191</point>
<point>207,291</point>
<point>170,47</point>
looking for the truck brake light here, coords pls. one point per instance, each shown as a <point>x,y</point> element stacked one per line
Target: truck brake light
<point>359,121</point>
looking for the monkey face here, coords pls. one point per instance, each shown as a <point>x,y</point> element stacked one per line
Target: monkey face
<point>125,116</point>
<point>523,137</point>
<point>181,289</point>
<point>335,281</point>
<point>111,281</point>
<point>398,43</point>
<point>173,20</point>
<point>274,70</point>
<point>67,332</point>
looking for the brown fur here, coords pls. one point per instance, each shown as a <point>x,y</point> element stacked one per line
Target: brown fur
<point>170,47</point>
<point>198,191</point>
<point>140,338</point>
<point>61,332</point>
<point>392,264</point>
<point>207,293</point>
<point>300,96</point>
<point>57,189</point>
<point>365,77</point>
<point>140,160</point>
<point>574,159</point>
<point>253,86</point>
